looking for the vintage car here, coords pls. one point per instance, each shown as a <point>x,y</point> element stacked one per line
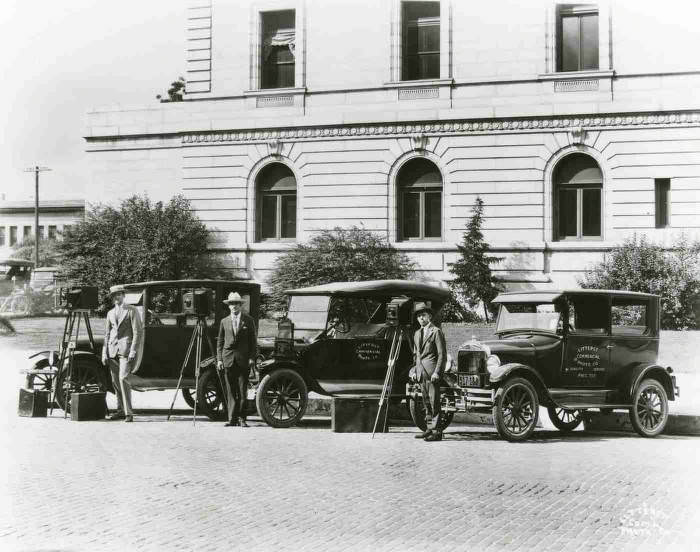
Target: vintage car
<point>569,351</point>
<point>335,341</point>
<point>168,328</point>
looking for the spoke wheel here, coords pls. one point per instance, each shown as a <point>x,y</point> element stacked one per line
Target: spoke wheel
<point>417,410</point>
<point>281,398</point>
<point>210,401</point>
<point>649,413</point>
<point>188,397</point>
<point>515,409</point>
<point>565,419</point>
<point>85,376</point>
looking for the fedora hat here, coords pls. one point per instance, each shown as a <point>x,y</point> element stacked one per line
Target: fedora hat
<point>233,297</point>
<point>116,289</point>
<point>422,307</point>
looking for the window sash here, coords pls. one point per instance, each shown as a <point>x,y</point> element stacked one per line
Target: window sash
<point>421,214</point>
<point>662,204</point>
<point>2,235</point>
<point>13,235</point>
<point>579,212</point>
<point>421,49</point>
<point>578,48</point>
<point>278,217</point>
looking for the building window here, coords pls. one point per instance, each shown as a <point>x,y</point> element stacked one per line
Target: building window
<point>578,198</point>
<point>52,232</point>
<point>279,36</point>
<point>420,40</point>
<point>277,203</point>
<point>2,235</point>
<point>13,236</point>
<point>420,200</point>
<point>577,34</point>
<point>41,232</point>
<point>27,233</point>
<point>662,201</point>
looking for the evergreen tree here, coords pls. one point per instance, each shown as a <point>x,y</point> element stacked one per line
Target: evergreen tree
<point>473,280</point>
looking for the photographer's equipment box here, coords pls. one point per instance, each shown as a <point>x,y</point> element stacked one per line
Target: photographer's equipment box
<point>88,406</point>
<point>357,415</point>
<point>33,403</point>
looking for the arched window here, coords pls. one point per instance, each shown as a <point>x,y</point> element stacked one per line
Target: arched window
<point>420,200</point>
<point>276,203</point>
<point>578,198</point>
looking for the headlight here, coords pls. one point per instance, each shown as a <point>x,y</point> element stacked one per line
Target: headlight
<point>492,362</point>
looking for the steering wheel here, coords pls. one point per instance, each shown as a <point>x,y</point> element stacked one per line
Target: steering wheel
<point>153,319</point>
<point>342,326</point>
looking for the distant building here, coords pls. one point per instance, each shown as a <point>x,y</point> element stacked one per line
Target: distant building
<point>17,220</point>
<point>577,124</point>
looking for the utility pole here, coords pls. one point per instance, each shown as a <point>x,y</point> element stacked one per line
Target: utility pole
<point>36,170</point>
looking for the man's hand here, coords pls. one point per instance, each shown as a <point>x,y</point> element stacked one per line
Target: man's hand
<point>412,374</point>
<point>251,362</point>
<point>132,355</point>
<point>104,359</point>
<point>435,378</point>
<point>220,365</point>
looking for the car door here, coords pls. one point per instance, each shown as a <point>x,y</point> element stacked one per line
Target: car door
<point>587,346</point>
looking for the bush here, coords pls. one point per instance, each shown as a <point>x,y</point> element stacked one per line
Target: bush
<point>48,251</point>
<point>337,255</point>
<point>639,265</point>
<point>454,311</point>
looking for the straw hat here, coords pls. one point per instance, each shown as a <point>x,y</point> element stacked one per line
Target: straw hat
<point>422,307</point>
<point>233,297</point>
<point>116,289</point>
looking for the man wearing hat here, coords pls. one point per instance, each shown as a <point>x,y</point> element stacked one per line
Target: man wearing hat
<point>430,353</point>
<point>123,333</point>
<point>236,348</point>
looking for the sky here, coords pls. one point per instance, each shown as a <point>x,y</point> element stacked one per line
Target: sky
<point>62,57</point>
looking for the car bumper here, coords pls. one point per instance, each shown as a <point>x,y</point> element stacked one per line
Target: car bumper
<point>458,399</point>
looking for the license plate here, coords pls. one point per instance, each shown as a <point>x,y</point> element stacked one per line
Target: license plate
<point>469,380</point>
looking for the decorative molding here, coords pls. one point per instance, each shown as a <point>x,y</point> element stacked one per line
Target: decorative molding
<point>561,124</point>
<point>274,101</point>
<point>578,135</point>
<point>274,147</point>
<point>576,85</point>
<point>419,141</point>
<point>420,93</point>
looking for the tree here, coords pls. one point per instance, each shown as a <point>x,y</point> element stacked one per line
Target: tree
<point>473,280</point>
<point>49,254</point>
<point>337,255</point>
<point>176,90</point>
<point>639,265</point>
<point>137,241</point>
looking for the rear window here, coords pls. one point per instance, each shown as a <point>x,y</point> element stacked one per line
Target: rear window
<point>630,317</point>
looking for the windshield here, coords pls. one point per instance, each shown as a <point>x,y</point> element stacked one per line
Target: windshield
<point>529,316</point>
<point>308,313</point>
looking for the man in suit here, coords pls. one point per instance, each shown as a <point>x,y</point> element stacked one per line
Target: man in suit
<point>430,354</point>
<point>236,349</point>
<point>123,334</point>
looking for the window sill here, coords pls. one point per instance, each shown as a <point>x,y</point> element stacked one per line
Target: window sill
<point>275,92</point>
<point>270,245</point>
<point>570,75</point>
<point>417,83</point>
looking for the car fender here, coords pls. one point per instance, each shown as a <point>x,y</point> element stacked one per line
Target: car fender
<point>501,373</point>
<point>654,371</point>
<point>268,366</point>
<point>50,356</point>
<point>101,368</point>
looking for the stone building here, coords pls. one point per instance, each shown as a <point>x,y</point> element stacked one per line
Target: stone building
<point>577,124</point>
<point>17,221</point>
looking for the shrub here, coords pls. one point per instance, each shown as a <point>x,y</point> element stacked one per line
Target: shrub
<point>48,251</point>
<point>639,265</point>
<point>338,255</point>
<point>454,311</point>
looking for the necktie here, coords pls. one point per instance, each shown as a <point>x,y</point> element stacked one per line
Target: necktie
<point>422,333</point>
<point>235,324</point>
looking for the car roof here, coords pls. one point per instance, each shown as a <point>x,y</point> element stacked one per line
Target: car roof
<point>377,288</point>
<point>549,296</point>
<point>16,262</point>
<point>46,269</point>
<point>245,284</point>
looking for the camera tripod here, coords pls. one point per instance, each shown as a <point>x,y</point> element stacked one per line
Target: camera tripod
<point>389,379</point>
<point>196,342</point>
<point>71,333</point>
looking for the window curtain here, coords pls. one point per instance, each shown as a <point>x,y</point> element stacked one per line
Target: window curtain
<point>283,37</point>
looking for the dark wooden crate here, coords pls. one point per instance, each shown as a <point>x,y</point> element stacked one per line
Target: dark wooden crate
<point>357,415</point>
<point>88,406</point>
<point>33,403</point>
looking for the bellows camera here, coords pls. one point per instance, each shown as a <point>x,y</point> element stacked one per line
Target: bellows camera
<point>398,312</point>
<point>198,302</point>
<point>77,298</point>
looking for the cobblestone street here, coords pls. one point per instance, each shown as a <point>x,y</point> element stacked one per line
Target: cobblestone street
<point>157,485</point>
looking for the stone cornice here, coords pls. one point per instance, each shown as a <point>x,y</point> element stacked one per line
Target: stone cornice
<point>513,125</point>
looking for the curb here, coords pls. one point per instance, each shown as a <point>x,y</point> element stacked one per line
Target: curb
<point>678,424</point>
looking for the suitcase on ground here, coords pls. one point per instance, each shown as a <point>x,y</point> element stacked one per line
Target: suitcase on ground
<point>88,406</point>
<point>33,403</point>
<point>357,415</point>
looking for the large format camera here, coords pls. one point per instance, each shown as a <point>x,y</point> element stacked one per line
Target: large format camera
<point>77,298</point>
<point>198,302</point>
<point>399,311</point>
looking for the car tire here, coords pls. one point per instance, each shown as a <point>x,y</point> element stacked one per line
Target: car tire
<point>515,401</point>
<point>282,392</point>
<point>417,410</point>
<point>188,397</point>
<point>565,419</point>
<point>210,396</point>
<point>649,412</point>
<point>86,372</point>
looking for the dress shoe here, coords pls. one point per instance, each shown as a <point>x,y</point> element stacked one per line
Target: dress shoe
<point>243,423</point>
<point>117,416</point>
<point>231,424</point>
<point>129,418</point>
<point>423,435</point>
<point>434,437</point>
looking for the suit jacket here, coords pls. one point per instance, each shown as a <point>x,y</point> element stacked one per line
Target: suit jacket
<point>123,335</point>
<point>238,349</point>
<point>431,358</point>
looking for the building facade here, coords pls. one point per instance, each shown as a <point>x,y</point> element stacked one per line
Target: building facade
<point>17,221</point>
<point>578,125</point>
